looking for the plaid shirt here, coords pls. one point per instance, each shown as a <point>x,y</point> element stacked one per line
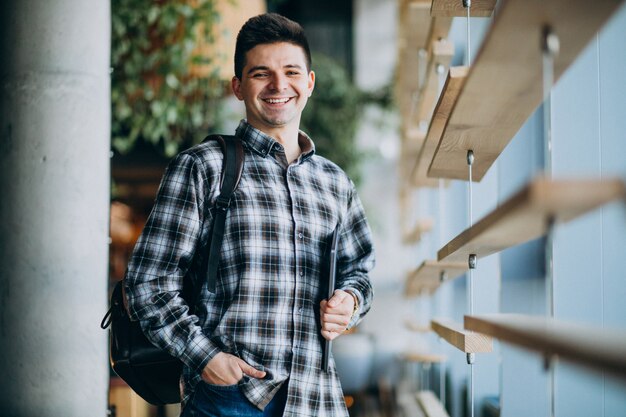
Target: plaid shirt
<point>271,274</point>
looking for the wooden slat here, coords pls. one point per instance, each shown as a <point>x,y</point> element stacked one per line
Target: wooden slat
<point>414,30</point>
<point>442,53</point>
<point>427,277</point>
<point>417,327</point>
<point>447,99</point>
<point>601,349</point>
<point>415,23</point>
<point>439,29</point>
<point>415,234</point>
<point>454,8</point>
<point>430,405</point>
<point>504,85</point>
<point>465,341</point>
<point>526,215</point>
<point>407,403</point>
<point>421,357</point>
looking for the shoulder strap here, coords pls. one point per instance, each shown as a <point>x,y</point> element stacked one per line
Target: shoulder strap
<point>232,168</point>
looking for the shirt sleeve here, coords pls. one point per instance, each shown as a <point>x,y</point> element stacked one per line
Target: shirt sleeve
<point>356,256</point>
<point>162,256</point>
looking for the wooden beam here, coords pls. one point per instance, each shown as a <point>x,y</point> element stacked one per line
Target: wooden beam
<point>417,327</point>
<point>415,23</point>
<point>465,341</point>
<point>439,29</point>
<point>447,99</point>
<point>428,276</point>
<point>454,8</point>
<point>430,404</point>
<point>423,357</point>
<point>600,349</point>
<point>415,235</point>
<point>527,214</point>
<point>442,53</point>
<point>504,86</point>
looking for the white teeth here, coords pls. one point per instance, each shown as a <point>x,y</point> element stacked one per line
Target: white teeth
<point>277,100</point>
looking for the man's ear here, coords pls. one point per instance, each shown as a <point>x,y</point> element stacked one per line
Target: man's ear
<point>311,84</point>
<point>235,84</point>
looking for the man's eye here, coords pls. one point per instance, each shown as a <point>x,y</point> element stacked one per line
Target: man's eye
<point>259,75</point>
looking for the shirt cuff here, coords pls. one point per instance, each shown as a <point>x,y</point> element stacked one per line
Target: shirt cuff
<point>199,352</point>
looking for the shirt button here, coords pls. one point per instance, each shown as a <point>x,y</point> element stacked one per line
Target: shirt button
<point>300,235</point>
<point>301,273</point>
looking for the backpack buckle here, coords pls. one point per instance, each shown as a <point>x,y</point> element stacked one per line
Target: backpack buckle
<point>222,203</point>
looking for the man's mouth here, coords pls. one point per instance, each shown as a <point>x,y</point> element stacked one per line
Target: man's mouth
<point>277,100</point>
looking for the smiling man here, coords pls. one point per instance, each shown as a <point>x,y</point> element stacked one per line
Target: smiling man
<point>254,347</point>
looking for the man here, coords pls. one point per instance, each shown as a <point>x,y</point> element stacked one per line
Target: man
<point>254,347</point>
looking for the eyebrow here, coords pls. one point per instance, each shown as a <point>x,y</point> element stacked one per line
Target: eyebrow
<point>265,68</point>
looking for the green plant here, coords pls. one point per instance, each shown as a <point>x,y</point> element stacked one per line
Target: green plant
<point>333,113</point>
<point>155,97</point>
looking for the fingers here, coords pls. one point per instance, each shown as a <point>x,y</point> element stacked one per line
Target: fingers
<point>335,314</point>
<point>339,298</point>
<point>329,335</point>
<point>227,369</point>
<point>249,370</point>
<point>334,322</point>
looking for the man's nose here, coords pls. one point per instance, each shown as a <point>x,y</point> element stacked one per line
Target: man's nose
<point>279,82</point>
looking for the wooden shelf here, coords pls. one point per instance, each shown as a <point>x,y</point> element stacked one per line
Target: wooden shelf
<point>427,277</point>
<point>465,341</point>
<point>417,327</point>
<point>454,8</point>
<point>447,99</point>
<point>418,37</point>
<point>526,215</point>
<point>415,235</point>
<point>600,349</point>
<point>421,357</point>
<point>504,86</point>
<point>430,405</point>
<point>442,53</point>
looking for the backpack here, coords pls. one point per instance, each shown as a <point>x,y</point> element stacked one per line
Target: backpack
<point>150,371</point>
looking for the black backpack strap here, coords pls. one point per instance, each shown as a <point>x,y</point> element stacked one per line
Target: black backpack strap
<point>232,168</point>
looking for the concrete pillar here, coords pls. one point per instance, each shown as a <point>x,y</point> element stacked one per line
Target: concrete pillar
<point>54,199</point>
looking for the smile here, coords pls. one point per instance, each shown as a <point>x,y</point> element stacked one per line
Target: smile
<point>277,100</point>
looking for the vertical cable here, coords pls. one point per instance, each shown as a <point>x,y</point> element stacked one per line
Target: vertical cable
<point>470,285</point>
<point>468,5</point>
<point>441,209</point>
<point>549,48</point>
<point>470,160</point>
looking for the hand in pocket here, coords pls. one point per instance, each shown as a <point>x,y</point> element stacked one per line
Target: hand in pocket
<point>227,369</point>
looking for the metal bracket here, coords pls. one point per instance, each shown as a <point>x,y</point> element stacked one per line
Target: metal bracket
<point>470,157</point>
<point>472,261</point>
<point>550,43</point>
<point>471,358</point>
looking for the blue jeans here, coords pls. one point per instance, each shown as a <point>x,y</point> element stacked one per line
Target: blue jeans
<point>228,401</point>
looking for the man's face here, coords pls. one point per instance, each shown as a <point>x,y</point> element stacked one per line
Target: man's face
<point>275,86</point>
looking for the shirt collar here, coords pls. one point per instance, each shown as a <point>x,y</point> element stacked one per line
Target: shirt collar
<point>263,144</point>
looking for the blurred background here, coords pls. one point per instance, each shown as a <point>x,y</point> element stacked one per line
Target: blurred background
<point>97,97</point>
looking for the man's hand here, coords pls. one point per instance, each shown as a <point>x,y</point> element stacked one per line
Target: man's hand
<point>336,313</point>
<point>227,369</point>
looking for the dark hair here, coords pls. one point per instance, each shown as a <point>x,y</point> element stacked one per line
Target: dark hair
<point>268,28</point>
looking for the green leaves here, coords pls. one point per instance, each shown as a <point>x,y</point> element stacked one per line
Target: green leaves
<point>154,98</point>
